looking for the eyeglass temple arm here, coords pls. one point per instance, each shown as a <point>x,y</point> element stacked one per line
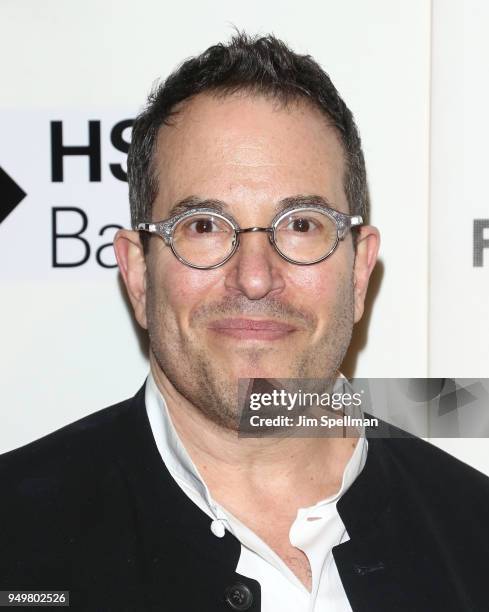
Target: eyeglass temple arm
<point>155,228</point>
<point>146,227</point>
<point>347,223</point>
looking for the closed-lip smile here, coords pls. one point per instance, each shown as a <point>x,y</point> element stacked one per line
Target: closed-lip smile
<point>252,329</point>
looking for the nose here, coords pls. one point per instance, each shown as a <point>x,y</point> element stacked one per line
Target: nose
<point>255,269</point>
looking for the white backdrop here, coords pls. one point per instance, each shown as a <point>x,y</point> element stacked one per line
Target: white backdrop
<point>69,346</point>
<point>459,291</point>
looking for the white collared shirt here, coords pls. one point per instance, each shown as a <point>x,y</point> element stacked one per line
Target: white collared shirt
<point>315,531</point>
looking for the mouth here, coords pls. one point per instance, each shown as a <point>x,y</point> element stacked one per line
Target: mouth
<point>252,329</point>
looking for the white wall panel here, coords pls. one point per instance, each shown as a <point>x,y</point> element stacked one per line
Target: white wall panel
<point>459,291</point>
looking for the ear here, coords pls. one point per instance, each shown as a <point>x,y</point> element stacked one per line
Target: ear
<point>132,265</point>
<point>368,242</point>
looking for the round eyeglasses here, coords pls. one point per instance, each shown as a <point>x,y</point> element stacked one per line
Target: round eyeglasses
<point>205,238</point>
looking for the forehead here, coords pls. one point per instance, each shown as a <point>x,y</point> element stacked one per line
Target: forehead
<point>248,148</point>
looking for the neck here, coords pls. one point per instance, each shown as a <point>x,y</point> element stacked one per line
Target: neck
<point>267,468</point>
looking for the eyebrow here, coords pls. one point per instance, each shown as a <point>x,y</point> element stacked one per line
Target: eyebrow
<point>192,202</point>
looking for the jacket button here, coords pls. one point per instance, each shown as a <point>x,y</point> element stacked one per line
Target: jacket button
<point>238,596</point>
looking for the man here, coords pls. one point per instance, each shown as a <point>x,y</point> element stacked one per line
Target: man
<point>249,257</point>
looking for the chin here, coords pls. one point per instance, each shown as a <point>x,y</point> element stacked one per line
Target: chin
<point>263,371</point>
<point>257,362</point>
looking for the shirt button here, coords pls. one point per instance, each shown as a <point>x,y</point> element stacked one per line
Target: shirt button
<point>238,596</point>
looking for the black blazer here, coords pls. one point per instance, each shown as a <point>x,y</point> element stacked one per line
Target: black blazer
<point>92,509</point>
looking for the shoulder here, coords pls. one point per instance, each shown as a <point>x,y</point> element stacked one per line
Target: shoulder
<point>54,463</point>
<point>65,498</point>
<point>420,469</point>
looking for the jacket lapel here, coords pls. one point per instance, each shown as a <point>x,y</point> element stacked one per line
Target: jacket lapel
<point>180,559</point>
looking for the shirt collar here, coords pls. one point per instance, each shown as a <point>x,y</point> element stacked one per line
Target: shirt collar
<point>183,470</point>
<point>173,452</point>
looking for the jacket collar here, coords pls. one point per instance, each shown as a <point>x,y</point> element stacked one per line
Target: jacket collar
<point>148,479</point>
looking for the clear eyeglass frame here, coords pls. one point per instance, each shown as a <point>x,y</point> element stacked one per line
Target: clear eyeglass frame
<point>165,229</point>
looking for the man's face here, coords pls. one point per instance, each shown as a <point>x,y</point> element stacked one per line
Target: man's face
<point>257,316</point>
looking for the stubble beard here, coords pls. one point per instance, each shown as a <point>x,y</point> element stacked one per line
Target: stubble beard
<point>200,379</point>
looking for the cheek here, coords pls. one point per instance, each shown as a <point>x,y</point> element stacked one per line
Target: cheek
<point>326,291</point>
<point>318,285</point>
<point>176,289</point>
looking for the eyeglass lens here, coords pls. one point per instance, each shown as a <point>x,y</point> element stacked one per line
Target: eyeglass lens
<point>306,235</point>
<point>303,236</point>
<point>203,239</point>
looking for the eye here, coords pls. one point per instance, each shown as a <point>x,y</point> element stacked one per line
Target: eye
<point>201,226</point>
<point>205,225</point>
<point>300,224</point>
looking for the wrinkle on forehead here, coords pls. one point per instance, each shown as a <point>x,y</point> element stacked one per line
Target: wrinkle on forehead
<point>251,155</point>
